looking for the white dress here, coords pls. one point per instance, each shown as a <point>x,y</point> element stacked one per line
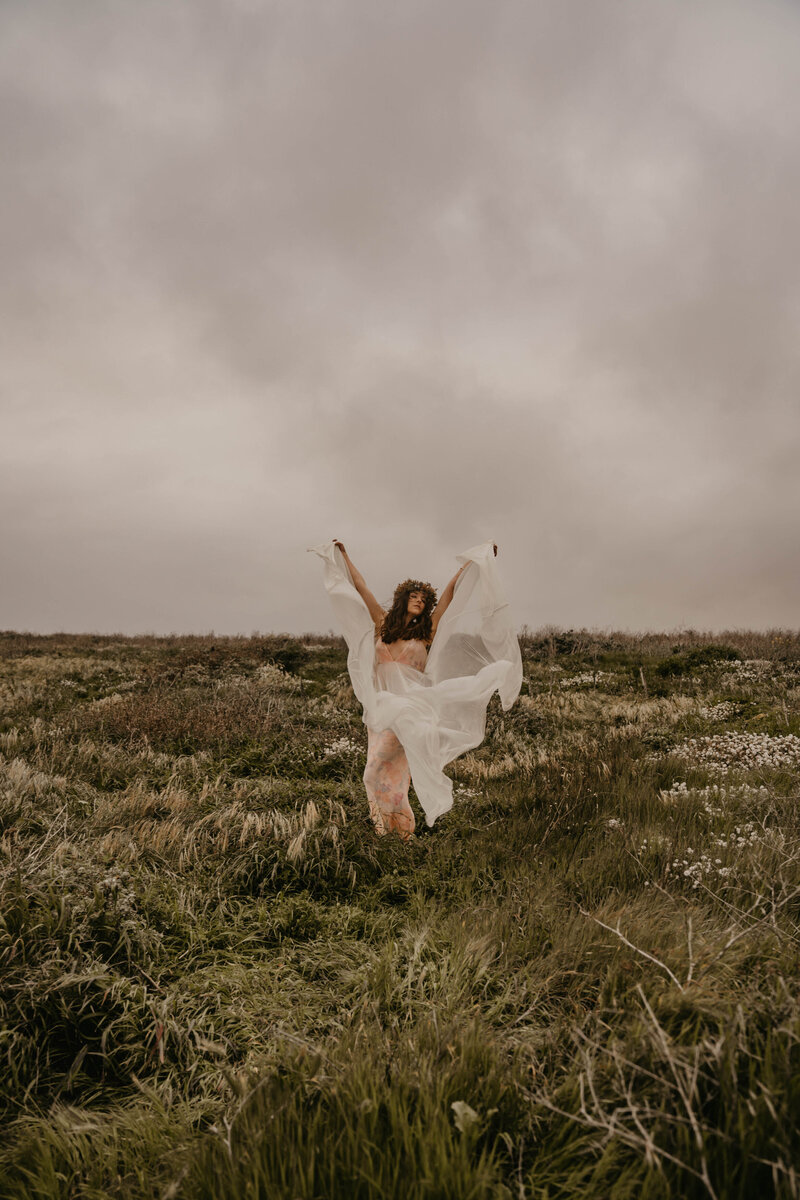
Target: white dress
<point>439,712</point>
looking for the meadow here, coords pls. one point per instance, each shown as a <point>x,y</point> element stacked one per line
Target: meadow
<point>216,982</point>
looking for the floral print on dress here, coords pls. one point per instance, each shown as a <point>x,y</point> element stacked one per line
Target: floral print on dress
<point>387,775</point>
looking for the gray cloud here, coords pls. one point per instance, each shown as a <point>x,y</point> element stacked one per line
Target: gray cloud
<point>412,276</point>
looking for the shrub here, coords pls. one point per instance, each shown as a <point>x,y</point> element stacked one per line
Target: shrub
<point>693,660</point>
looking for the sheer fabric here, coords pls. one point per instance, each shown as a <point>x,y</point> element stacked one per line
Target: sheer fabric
<point>435,707</point>
<point>386,780</point>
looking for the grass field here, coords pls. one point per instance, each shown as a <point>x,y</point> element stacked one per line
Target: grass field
<point>216,981</point>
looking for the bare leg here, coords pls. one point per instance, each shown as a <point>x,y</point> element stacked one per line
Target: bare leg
<point>386,779</point>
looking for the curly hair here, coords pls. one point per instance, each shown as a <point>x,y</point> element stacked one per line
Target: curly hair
<point>395,628</point>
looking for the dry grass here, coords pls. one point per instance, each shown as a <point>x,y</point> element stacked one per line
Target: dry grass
<point>216,982</point>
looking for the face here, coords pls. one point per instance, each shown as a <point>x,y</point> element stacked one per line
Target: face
<point>416,604</point>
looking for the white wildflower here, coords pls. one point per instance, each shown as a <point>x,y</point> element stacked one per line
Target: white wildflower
<point>724,752</point>
<point>585,677</point>
<point>342,746</point>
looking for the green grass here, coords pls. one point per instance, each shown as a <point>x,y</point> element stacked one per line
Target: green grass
<point>216,981</point>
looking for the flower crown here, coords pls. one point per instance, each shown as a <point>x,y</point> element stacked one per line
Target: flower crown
<point>415,585</point>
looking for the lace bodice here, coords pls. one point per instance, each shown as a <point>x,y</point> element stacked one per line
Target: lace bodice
<point>410,653</point>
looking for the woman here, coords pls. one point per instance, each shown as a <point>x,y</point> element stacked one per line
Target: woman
<point>409,626</point>
<point>424,676</point>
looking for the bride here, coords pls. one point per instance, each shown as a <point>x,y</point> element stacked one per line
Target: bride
<point>424,673</point>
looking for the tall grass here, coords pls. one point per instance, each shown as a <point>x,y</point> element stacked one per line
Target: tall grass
<point>216,981</point>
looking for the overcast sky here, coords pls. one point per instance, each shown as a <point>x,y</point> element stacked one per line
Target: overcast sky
<point>412,275</point>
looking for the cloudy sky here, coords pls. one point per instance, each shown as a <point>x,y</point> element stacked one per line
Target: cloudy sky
<point>411,275</point>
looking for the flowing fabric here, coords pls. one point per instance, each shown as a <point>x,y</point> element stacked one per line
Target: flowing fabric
<point>436,708</point>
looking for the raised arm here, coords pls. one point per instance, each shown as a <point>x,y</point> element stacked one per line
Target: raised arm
<point>445,598</point>
<point>444,602</point>
<point>375,610</point>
